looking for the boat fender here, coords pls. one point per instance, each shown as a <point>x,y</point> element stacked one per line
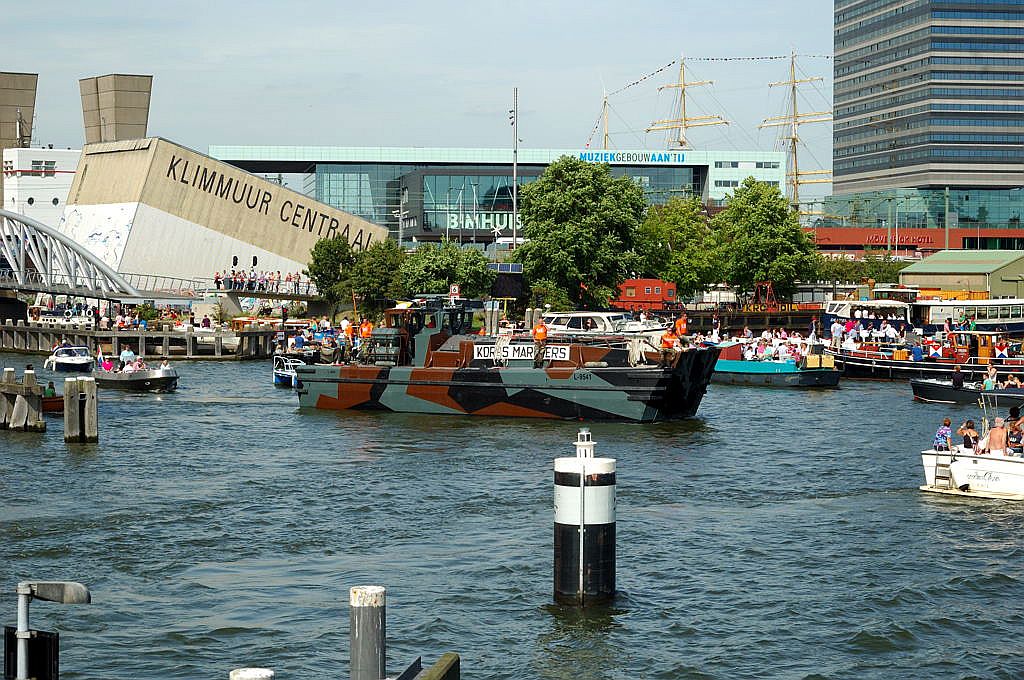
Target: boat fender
<point>964,487</point>
<point>384,363</point>
<point>596,364</point>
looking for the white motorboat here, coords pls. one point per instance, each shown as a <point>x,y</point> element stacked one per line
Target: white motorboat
<point>602,323</point>
<point>284,370</point>
<point>966,473</point>
<point>70,359</point>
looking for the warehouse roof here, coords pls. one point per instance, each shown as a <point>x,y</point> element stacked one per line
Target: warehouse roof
<point>965,262</point>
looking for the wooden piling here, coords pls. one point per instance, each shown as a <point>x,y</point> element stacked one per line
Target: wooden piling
<point>81,417</point>
<point>6,399</point>
<point>21,404</point>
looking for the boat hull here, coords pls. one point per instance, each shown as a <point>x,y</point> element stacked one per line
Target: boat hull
<point>73,367</point>
<point>982,476</point>
<point>856,366</point>
<point>139,381</point>
<point>769,374</point>
<point>53,404</point>
<point>284,379</point>
<point>635,394</point>
<point>943,392</point>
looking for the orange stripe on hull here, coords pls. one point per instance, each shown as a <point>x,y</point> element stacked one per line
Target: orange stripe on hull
<point>437,394</point>
<point>511,410</point>
<point>351,395</point>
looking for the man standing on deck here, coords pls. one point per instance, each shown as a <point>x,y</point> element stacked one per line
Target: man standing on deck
<point>680,325</point>
<point>540,342</point>
<point>669,348</point>
<point>365,333</point>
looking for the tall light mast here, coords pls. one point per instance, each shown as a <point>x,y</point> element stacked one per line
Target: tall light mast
<point>513,115</point>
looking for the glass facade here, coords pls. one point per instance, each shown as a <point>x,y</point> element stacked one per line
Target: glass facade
<point>928,94</point>
<point>971,212</point>
<point>466,202</point>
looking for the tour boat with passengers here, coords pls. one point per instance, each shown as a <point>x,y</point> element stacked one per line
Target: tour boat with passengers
<point>425,359</point>
<point>972,351</point>
<point>813,370</point>
<point>935,391</point>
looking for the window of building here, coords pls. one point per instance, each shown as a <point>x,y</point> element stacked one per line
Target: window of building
<point>769,165</point>
<point>49,168</point>
<point>631,292</point>
<point>657,290</point>
<point>647,290</point>
<point>727,164</point>
<point>725,183</point>
<point>671,293</point>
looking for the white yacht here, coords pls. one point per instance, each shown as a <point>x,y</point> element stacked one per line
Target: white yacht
<point>966,473</point>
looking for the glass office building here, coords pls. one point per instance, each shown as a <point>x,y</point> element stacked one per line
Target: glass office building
<point>928,94</point>
<point>466,194</point>
<point>929,126</point>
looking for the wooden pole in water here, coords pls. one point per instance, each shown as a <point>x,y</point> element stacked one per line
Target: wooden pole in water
<point>89,402</point>
<point>72,423</point>
<point>367,632</point>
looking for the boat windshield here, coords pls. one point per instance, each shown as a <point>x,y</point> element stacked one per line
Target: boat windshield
<point>73,352</point>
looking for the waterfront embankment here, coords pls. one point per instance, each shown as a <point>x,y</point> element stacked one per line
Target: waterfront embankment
<point>35,337</point>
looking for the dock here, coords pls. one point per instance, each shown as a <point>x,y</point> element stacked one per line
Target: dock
<point>34,337</point>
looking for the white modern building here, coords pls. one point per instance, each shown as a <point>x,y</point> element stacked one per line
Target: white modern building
<point>37,181</point>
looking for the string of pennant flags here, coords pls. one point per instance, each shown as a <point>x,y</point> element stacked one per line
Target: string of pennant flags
<point>773,57</point>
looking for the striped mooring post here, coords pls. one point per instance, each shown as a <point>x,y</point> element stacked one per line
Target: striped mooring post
<point>584,564</point>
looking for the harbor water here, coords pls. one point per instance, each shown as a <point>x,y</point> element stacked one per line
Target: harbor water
<point>780,535</point>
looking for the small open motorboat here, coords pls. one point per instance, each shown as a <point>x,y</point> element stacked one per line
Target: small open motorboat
<point>942,392</point>
<point>284,370</point>
<point>70,359</point>
<point>143,380</point>
<point>53,404</point>
<point>966,473</point>
<point>970,472</point>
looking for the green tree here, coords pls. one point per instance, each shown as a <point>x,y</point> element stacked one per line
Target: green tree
<point>676,243</point>
<point>550,293</point>
<point>760,239</point>
<point>376,274</point>
<point>330,269</point>
<point>882,267</point>
<point>433,268</point>
<point>581,224</point>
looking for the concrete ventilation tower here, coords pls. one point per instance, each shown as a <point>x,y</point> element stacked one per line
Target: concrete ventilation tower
<point>115,107</point>
<point>17,107</point>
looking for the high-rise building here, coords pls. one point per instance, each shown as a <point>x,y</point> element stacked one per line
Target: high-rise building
<point>17,107</point>
<point>928,141</point>
<point>928,94</point>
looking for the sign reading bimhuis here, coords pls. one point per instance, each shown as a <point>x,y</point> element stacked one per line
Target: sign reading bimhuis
<point>252,196</point>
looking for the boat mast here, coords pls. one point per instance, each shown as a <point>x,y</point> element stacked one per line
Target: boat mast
<point>794,119</point>
<point>683,123</point>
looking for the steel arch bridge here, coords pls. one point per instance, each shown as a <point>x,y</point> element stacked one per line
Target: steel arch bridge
<point>38,258</point>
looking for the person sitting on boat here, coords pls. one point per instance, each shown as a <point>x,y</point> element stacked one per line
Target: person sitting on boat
<point>165,365</point>
<point>970,435</point>
<point>1012,382</point>
<point>1014,436</point>
<point>957,378</point>
<point>49,390</point>
<point>997,438</point>
<point>127,356</point>
<point>943,436</point>
<point>669,347</point>
<point>540,342</point>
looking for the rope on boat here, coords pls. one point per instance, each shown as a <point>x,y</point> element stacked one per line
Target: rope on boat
<point>500,344</point>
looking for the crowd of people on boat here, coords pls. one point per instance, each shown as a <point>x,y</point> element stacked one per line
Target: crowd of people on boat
<point>1003,439</point>
<point>266,281</point>
<point>347,342</point>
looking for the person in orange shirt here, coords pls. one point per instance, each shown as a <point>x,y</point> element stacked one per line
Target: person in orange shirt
<point>365,333</point>
<point>680,325</point>
<point>669,348</point>
<point>540,342</point>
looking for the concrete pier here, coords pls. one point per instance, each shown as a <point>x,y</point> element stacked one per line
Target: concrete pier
<point>34,337</point>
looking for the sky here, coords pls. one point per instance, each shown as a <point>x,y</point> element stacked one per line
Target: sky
<point>428,74</point>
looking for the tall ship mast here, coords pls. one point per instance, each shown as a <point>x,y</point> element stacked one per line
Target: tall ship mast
<point>683,122</point>
<point>793,120</point>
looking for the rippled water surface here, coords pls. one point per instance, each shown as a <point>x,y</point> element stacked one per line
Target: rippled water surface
<point>779,535</point>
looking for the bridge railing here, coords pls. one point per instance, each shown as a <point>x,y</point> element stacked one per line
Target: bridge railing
<point>42,280</point>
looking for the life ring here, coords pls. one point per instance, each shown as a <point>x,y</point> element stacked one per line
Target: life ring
<point>67,314</point>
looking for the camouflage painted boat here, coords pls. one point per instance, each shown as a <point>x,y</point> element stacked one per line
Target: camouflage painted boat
<point>421,363</point>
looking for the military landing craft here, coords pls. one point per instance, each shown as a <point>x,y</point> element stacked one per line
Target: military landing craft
<point>423,360</point>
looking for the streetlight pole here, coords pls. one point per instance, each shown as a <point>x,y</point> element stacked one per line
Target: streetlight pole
<point>447,213</point>
<point>476,219</point>
<point>514,116</point>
